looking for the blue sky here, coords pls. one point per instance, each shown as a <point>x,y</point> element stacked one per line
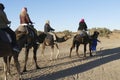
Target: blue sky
<point>66,14</point>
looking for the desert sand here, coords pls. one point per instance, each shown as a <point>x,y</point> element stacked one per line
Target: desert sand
<point>104,65</point>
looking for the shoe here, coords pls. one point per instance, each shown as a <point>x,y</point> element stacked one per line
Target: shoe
<point>16,49</point>
<point>55,41</point>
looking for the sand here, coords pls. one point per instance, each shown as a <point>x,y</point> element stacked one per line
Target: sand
<point>104,65</point>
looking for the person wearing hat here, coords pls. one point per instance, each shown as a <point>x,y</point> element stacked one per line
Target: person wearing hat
<point>4,22</point>
<point>49,29</point>
<point>82,28</point>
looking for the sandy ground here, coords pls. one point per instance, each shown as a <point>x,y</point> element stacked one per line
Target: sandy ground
<point>105,65</point>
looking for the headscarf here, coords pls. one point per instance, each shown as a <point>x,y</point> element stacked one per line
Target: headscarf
<point>47,22</point>
<point>82,20</point>
<point>1,6</point>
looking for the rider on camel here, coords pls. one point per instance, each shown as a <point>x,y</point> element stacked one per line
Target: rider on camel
<point>26,21</point>
<point>82,28</point>
<point>4,22</point>
<point>49,29</point>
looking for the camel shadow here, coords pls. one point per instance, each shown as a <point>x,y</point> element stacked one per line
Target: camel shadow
<point>105,56</point>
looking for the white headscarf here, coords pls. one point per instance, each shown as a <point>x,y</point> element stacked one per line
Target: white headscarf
<point>47,22</point>
<point>24,10</point>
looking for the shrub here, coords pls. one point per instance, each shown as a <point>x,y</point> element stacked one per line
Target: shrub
<point>104,32</point>
<point>67,32</point>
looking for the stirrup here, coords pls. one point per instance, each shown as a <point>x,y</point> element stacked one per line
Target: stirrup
<point>15,49</point>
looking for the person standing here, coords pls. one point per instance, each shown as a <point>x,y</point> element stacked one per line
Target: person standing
<point>94,41</point>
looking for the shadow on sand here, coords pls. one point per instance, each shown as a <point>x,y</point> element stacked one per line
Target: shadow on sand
<point>106,56</point>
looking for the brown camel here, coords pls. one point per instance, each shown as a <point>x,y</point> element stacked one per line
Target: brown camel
<point>6,52</point>
<point>77,40</point>
<point>49,41</point>
<point>27,41</point>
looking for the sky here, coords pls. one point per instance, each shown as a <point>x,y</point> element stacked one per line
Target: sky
<point>66,14</point>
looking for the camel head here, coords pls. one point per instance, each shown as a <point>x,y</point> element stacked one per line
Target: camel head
<point>63,38</point>
<point>66,37</point>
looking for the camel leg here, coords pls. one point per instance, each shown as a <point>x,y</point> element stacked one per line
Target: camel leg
<point>17,65</point>
<point>52,48</point>
<point>8,58</point>
<point>71,49</point>
<point>58,51</point>
<point>77,47</point>
<point>26,58</point>
<point>84,50</point>
<point>90,50</point>
<point>34,57</point>
<point>8,63</point>
<point>43,49</point>
<point>5,67</point>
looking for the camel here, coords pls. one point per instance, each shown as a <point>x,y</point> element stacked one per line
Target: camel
<point>77,40</point>
<point>6,53</point>
<point>49,41</point>
<point>25,40</point>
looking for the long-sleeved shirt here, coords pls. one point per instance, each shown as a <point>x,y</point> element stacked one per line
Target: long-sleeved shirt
<point>82,26</point>
<point>3,20</point>
<point>24,18</point>
<point>48,28</point>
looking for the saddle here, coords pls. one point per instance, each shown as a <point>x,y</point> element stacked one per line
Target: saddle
<point>49,40</point>
<point>82,37</point>
<point>32,34</point>
<point>4,36</point>
<point>49,36</point>
<point>25,30</point>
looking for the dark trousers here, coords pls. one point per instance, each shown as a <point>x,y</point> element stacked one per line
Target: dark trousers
<point>34,31</point>
<point>12,35</point>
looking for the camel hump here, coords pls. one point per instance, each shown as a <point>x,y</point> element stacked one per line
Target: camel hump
<point>4,36</point>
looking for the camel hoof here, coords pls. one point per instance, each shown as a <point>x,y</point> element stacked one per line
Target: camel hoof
<point>24,70</point>
<point>84,58</point>
<point>20,79</point>
<point>38,67</point>
<point>91,55</point>
<point>51,59</point>
<point>78,56</point>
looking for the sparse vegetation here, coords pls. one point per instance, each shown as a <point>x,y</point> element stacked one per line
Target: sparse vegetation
<point>116,31</point>
<point>66,32</point>
<point>104,32</point>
